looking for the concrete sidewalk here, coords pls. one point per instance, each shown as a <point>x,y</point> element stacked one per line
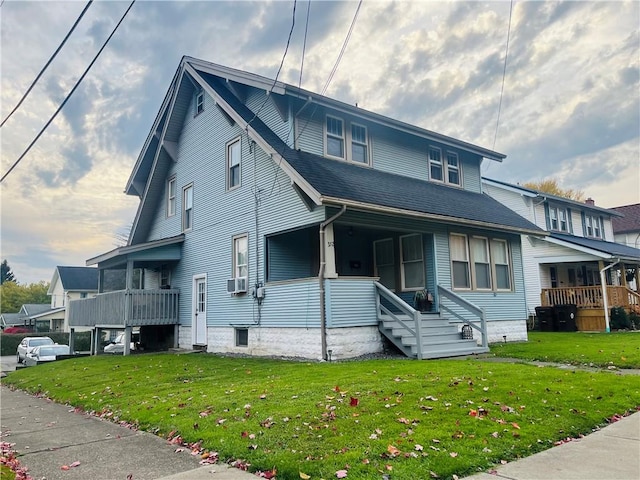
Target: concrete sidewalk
<point>48,435</point>
<point>610,453</point>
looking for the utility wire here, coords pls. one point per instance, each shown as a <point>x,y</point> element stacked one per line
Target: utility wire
<point>344,47</point>
<point>48,62</point>
<point>304,43</point>
<point>504,74</point>
<point>275,80</point>
<point>68,95</point>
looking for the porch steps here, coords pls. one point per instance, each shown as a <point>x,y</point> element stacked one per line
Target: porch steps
<point>440,337</point>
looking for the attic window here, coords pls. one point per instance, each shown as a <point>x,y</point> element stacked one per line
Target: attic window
<point>199,103</point>
<point>441,171</point>
<point>335,137</point>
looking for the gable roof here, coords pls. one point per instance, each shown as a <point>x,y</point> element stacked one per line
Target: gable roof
<point>528,192</point>
<point>323,181</point>
<point>598,247</point>
<point>631,220</point>
<point>11,319</point>
<point>31,309</point>
<point>77,279</point>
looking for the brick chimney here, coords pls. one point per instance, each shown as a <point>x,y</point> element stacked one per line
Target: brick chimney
<point>590,201</point>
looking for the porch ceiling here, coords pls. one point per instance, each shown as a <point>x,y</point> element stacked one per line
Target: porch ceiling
<point>598,248</point>
<point>165,249</point>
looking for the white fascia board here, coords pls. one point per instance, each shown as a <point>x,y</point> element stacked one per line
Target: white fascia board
<point>263,144</point>
<point>578,257</point>
<point>54,279</point>
<point>246,78</point>
<point>427,216</point>
<point>579,248</point>
<point>116,252</point>
<point>510,188</point>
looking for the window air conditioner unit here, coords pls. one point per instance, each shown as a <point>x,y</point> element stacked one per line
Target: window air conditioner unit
<point>237,285</point>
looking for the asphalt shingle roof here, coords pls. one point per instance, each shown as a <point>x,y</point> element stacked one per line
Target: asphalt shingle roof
<point>610,248</point>
<point>347,181</point>
<point>631,220</point>
<point>78,278</point>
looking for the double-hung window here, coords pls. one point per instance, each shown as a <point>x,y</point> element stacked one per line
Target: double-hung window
<point>435,164</point>
<point>589,225</point>
<point>453,168</point>
<point>187,208</point>
<point>359,144</point>
<point>240,256</point>
<point>461,277</point>
<point>384,263</point>
<point>412,262</point>
<point>592,226</point>
<point>500,255</point>
<point>335,137</point>
<point>481,263</point>
<point>553,218</point>
<point>199,103</point>
<point>234,153</point>
<point>562,219</point>
<point>558,219</point>
<point>171,197</point>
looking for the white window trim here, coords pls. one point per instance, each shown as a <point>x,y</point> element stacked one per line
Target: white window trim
<point>234,254</point>
<point>199,103</point>
<point>184,209</point>
<point>444,166</point>
<point>228,163</point>
<point>433,162</point>
<point>347,141</point>
<point>474,278</point>
<point>467,261</point>
<point>457,168</point>
<point>171,199</point>
<point>494,264</point>
<point>402,263</point>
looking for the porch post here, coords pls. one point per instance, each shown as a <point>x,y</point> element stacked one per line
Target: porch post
<point>127,340</point>
<point>72,340</point>
<point>605,291</point>
<point>129,284</point>
<point>638,278</point>
<point>330,253</point>
<point>623,274</point>
<point>176,333</point>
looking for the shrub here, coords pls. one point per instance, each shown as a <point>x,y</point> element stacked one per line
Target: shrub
<point>634,320</point>
<point>619,319</point>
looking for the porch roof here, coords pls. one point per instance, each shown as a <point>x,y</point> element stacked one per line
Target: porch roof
<point>334,182</point>
<point>600,248</point>
<point>164,249</point>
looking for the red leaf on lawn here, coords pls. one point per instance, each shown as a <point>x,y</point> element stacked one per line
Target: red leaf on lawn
<point>354,402</point>
<point>473,413</point>
<point>336,388</point>
<point>244,434</point>
<point>268,474</point>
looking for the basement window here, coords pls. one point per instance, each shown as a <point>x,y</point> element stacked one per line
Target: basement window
<point>242,337</point>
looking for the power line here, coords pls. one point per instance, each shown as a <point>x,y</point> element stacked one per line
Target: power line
<point>504,74</point>
<point>304,43</point>
<point>344,47</point>
<point>48,62</point>
<point>68,95</point>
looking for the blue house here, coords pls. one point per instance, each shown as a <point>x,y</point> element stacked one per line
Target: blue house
<point>276,221</point>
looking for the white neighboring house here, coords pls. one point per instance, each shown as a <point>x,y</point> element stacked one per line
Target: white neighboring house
<point>71,283</point>
<point>566,267</point>
<point>626,230</point>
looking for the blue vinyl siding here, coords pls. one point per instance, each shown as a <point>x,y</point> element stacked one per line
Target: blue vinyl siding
<point>290,255</point>
<point>292,304</point>
<point>350,302</point>
<point>269,113</point>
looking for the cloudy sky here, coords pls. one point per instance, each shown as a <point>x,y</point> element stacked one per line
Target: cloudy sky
<point>570,109</point>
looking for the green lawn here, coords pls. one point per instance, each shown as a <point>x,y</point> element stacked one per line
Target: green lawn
<point>620,349</point>
<point>408,419</point>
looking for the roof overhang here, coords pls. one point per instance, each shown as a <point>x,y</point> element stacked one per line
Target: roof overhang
<point>48,313</point>
<point>354,205</point>
<point>599,254</point>
<point>166,249</point>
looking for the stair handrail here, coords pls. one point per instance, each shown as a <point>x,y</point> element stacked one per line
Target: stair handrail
<point>471,307</point>
<point>404,307</point>
<point>633,298</point>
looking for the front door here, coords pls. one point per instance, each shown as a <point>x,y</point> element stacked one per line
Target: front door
<point>199,320</point>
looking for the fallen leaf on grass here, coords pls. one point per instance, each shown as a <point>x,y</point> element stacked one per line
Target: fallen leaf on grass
<point>453,454</point>
<point>354,402</point>
<point>304,476</point>
<point>393,450</point>
<point>341,474</point>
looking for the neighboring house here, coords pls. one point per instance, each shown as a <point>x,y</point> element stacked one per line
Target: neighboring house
<point>41,317</point>
<point>567,266</point>
<point>71,283</point>
<point>275,221</point>
<point>12,320</point>
<point>626,230</point>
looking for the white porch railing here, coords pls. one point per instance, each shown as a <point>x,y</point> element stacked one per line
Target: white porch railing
<point>126,308</point>
<point>476,312</point>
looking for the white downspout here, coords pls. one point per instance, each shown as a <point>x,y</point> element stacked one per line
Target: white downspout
<point>323,262</point>
<point>605,300</point>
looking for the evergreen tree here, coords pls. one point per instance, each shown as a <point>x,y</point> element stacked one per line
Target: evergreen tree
<point>6,275</point>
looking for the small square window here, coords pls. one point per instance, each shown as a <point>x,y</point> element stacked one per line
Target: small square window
<point>242,337</point>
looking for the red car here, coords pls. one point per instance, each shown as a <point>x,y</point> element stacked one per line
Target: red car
<point>17,330</point>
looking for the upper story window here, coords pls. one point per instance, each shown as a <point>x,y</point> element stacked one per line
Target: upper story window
<point>592,226</point>
<point>234,154</point>
<point>447,173</point>
<point>559,220</point>
<point>199,103</point>
<point>359,143</point>
<point>187,208</point>
<point>335,137</point>
<point>350,143</point>
<point>171,197</point>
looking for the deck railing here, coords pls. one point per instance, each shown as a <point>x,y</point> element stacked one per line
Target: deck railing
<point>126,308</point>
<point>590,297</point>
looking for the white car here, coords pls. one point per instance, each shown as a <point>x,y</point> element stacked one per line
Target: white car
<point>45,353</point>
<point>117,345</point>
<point>29,343</point>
